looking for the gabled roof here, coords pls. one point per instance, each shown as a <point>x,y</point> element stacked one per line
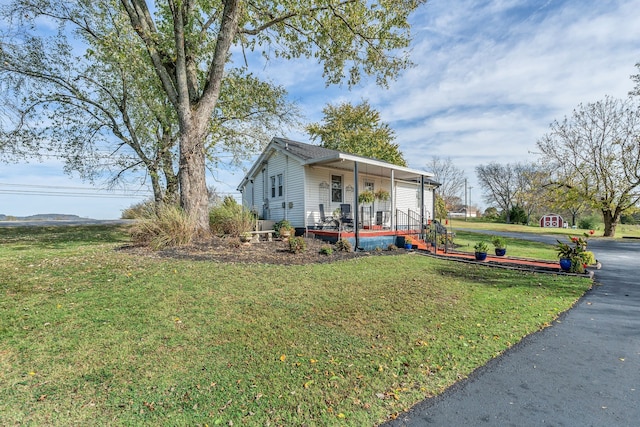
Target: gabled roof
<point>308,154</point>
<point>304,151</point>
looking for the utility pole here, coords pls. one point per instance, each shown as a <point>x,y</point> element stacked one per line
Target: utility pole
<point>466,206</point>
<point>470,187</point>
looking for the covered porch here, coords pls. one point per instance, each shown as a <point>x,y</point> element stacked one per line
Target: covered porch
<point>400,200</point>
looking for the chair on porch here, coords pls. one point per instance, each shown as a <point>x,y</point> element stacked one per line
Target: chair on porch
<point>345,215</point>
<point>327,221</point>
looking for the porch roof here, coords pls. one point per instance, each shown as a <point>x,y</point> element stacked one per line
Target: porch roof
<point>316,156</point>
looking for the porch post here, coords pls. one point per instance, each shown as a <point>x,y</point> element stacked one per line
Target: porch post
<point>393,200</point>
<point>356,213</point>
<point>422,206</point>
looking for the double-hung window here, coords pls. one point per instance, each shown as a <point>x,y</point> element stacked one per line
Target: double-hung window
<point>336,188</point>
<point>273,187</point>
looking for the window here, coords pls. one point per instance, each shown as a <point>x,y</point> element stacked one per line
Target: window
<point>273,187</point>
<point>368,186</point>
<point>279,185</point>
<point>336,188</point>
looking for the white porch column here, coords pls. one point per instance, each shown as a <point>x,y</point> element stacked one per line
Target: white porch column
<point>393,199</point>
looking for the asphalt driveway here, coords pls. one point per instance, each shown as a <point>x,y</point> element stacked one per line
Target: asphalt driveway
<point>582,371</point>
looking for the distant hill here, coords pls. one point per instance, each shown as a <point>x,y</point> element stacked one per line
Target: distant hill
<point>40,217</point>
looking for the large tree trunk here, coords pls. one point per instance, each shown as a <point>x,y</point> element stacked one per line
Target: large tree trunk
<point>193,184</point>
<point>610,222</point>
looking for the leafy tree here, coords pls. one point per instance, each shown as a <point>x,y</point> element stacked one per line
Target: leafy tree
<point>596,154</point>
<point>188,45</point>
<point>356,129</point>
<point>491,213</point>
<point>102,93</point>
<point>518,215</point>
<point>450,177</point>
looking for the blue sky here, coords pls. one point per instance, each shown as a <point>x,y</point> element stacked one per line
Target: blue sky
<point>490,76</point>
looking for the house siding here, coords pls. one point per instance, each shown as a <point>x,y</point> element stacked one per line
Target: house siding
<point>407,194</point>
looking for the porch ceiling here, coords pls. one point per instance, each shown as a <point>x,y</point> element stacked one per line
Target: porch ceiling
<point>374,168</point>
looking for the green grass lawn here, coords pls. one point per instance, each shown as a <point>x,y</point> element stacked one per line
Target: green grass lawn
<point>90,335</point>
<point>622,230</point>
<point>465,240</point>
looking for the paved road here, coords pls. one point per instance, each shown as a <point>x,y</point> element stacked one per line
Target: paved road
<point>582,371</point>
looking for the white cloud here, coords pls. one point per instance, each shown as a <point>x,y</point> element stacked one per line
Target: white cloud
<point>490,76</point>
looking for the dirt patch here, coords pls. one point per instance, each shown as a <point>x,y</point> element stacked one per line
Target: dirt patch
<point>277,252</point>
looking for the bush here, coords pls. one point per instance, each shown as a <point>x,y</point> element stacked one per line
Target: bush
<point>518,215</point>
<point>392,247</point>
<point>343,245</point>
<point>297,244</point>
<point>326,250</point>
<point>587,223</point>
<point>168,226</point>
<point>588,257</point>
<point>230,218</point>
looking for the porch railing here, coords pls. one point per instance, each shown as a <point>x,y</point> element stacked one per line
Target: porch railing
<point>414,220</point>
<point>402,220</point>
<point>409,220</point>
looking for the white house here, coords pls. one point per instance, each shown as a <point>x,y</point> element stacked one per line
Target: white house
<point>296,181</point>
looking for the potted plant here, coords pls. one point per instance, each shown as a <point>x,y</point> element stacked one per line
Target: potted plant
<point>500,245</point>
<point>382,195</point>
<point>574,256</point>
<point>283,228</point>
<point>286,231</point>
<point>366,197</point>
<point>408,242</point>
<point>481,249</point>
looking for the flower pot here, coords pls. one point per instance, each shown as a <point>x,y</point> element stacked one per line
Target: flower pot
<point>481,256</point>
<point>501,251</point>
<point>565,264</point>
<point>408,246</point>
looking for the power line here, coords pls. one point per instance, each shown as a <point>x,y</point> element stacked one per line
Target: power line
<point>68,191</point>
<point>61,187</point>
<point>68,194</point>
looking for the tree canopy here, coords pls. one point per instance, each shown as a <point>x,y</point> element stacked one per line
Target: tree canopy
<point>191,45</point>
<point>595,154</point>
<point>357,129</point>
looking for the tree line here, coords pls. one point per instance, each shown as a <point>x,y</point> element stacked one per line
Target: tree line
<point>589,160</point>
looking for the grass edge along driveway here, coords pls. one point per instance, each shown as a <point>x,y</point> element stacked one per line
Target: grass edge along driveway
<point>91,335</point>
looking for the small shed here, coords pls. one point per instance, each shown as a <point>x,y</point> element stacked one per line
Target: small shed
<point>552,221</point>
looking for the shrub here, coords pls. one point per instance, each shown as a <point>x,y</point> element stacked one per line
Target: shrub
<point>326,250</point>
<point>587,223</point>
<point>588,257</point>
<point>231,218</point>
<point>168,226</point>
<point>343,245</point>
<point>518,215</point>
<point>297,244</point>
<point>392,247</point>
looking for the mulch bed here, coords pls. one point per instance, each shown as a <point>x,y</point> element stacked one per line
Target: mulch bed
<point>229,250</point>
